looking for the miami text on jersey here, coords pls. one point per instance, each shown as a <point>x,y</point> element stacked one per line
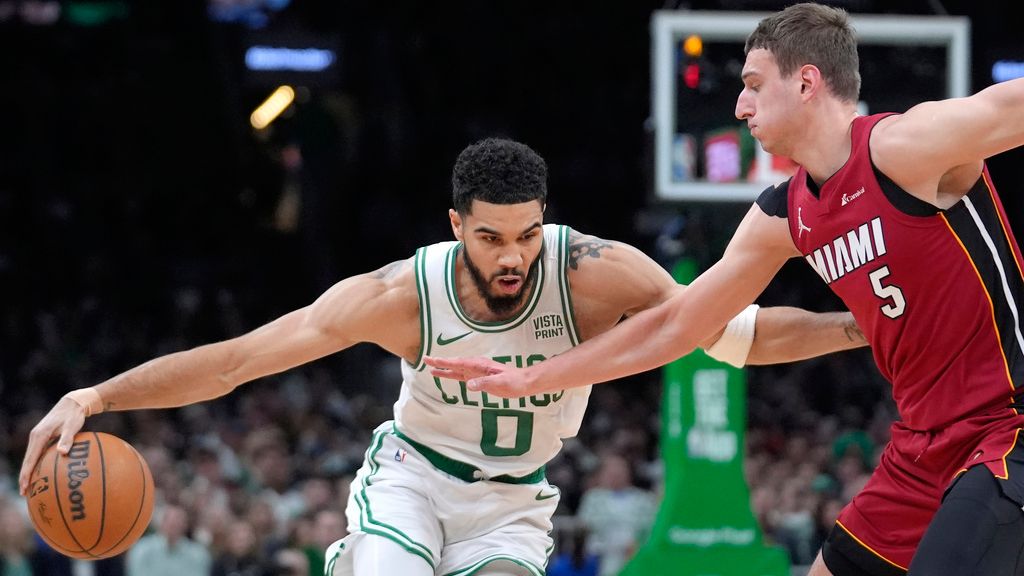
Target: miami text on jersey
<point>849,251</point>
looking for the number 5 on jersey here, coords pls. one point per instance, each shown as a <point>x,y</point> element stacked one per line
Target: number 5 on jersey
<point>896,304</point>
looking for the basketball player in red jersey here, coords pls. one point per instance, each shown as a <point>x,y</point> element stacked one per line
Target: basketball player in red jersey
<point>898,215</point>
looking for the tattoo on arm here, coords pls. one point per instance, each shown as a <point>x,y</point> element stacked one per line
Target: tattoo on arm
<point>581,247</point>
<point>389,271</point>
<point>853,332</point>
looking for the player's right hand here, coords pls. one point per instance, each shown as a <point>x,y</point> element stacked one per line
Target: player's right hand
<point>64,420</point>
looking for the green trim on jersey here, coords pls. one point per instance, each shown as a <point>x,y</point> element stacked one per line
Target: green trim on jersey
<point>470,570</point>
<point>465,472</point>
<point>490,327</point>
<point>423,294</point>
<point>366,521</point>
<point>563,285</point>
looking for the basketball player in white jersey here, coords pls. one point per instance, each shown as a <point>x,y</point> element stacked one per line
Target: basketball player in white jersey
<point>455,484</point>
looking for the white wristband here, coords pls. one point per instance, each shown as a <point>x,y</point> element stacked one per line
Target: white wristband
<point>734,344</point>
<point>88,398</point>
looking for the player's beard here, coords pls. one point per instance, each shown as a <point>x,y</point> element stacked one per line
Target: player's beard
<point>502,305</point>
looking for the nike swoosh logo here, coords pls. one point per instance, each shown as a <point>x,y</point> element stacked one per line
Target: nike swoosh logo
<point>541,496</point>
<point>442,341</point>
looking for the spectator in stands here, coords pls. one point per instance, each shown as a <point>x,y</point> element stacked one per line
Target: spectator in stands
<point>291,562</point>
<point>169,552</point>
<point>16,546</point>
<point>241,556</point>
<point>269,460</point>
<point>617,514</point>
<point>328,527</point>
<point>573,559</point>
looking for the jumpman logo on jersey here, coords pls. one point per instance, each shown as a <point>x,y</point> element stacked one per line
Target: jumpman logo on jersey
<point>800,222</point>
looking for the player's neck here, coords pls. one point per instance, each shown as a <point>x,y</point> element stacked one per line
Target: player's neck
<point>825,144</point>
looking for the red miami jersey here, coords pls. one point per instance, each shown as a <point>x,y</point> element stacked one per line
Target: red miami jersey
<point>936,292</point>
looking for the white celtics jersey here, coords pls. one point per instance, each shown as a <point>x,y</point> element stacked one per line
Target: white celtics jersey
<point>499,436</point>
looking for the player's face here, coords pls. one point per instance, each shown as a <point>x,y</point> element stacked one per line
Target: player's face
<point>768,102</point>
<point>502,242</point>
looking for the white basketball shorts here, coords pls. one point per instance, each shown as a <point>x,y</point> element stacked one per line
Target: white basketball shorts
<point>456,527</point>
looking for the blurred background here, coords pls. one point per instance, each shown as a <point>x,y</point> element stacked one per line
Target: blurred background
<point>144,210</point>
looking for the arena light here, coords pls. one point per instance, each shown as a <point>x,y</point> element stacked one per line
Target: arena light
<point>290,59</point>
<point>1004,70</point>
<point>691,75</point>
<point>272,107</point>
<point>693,46</point>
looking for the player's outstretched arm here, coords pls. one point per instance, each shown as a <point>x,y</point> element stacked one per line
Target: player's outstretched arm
<point>779,334</point>
<point>917,148</point>
<point>363,308</point>
<point>658,335</point>
<point>629,282</point>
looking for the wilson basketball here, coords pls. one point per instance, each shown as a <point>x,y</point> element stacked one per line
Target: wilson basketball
<point>96,501</point>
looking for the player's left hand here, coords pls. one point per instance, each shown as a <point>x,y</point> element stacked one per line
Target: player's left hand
<point>463,369</point>
<point>483,374</point>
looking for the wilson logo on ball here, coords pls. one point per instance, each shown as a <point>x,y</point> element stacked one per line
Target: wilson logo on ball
<point>93,502</point>
<point>78,458</point>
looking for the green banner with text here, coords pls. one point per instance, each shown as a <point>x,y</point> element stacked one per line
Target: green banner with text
<point>704,526</point>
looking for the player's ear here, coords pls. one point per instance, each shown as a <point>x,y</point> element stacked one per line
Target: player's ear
<point>810,80</point>
<point>456,222</point>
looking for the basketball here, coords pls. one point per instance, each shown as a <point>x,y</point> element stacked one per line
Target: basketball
<point>96,501</point>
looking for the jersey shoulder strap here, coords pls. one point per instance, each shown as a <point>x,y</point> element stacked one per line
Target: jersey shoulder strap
<point>774,200</point>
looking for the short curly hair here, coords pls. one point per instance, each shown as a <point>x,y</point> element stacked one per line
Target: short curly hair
<point>498,171</point>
